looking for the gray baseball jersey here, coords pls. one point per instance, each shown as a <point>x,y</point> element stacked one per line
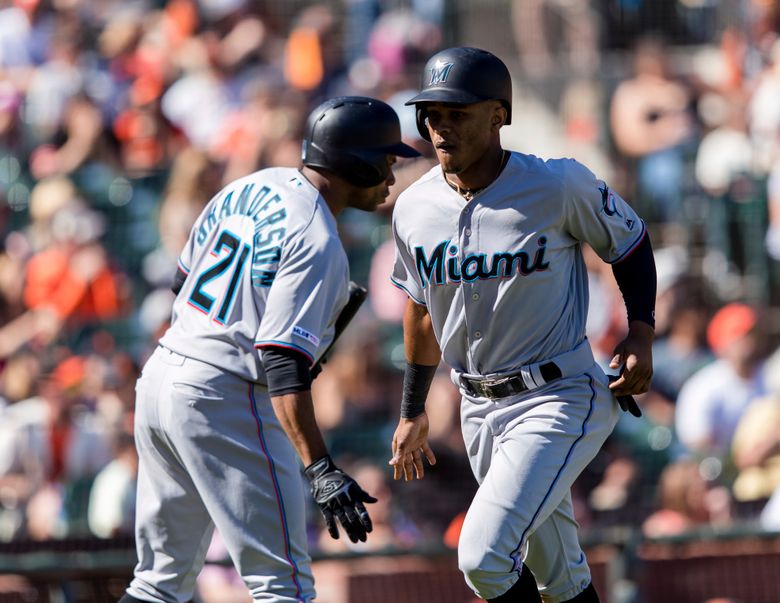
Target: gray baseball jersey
<point>265,267</point>
<point>504,281</point>
<point>502,277</point>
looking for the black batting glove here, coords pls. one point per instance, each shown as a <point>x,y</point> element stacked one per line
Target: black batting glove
<point>627,402</point>
<point>339,497</point>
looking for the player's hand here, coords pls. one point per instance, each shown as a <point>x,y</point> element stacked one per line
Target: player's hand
<point>410,445</point>
<point>339,497</point>
<point>627,402</point>
<point>634,357</point>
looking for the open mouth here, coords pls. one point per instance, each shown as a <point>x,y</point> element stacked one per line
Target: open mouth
<point>447,147</point>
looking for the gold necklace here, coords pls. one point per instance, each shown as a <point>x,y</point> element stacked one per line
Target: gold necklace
<point>469,193</point>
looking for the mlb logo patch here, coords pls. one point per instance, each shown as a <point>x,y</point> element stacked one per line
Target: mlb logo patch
<point>304,334</point>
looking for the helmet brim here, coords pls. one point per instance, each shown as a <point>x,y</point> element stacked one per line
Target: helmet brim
<point>445,95</point>
<point>400,149</point>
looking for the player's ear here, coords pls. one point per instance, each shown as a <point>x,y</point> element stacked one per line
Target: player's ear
<point>499,116</point>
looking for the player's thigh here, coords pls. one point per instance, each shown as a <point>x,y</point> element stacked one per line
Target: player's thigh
<point>536,456</point>
<point>168,506</point>
<point>249,478</point>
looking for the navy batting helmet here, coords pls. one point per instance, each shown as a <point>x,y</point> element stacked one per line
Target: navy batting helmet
<point>463,76</point>
<point>351,136</point>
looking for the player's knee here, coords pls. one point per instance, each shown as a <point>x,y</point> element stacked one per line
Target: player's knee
<point>475,566</point>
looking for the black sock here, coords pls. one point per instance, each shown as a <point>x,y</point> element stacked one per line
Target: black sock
<point>522,591</point>
<point>586,596</point>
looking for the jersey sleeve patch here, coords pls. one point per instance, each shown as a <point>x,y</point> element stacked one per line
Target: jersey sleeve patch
<point>299,331</point>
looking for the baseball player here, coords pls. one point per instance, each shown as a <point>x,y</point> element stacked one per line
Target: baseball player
<point>223,412</point>
<point>488,250</point>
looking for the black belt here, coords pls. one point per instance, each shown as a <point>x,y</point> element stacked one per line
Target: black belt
<point>510,385</point>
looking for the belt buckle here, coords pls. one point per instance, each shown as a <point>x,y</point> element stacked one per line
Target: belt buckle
<point>487,386</point>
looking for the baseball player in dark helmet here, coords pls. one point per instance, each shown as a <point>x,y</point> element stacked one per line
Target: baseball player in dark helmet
<point>224,413</point>
<point>488,250</point>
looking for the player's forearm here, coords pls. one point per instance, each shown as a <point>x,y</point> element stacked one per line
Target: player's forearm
<point>295,412</point>
<point>420,342</point>
<point>636,277</point>
<point>422,358</point>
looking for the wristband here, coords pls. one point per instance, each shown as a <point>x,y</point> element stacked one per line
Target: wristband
<point>417,382</point>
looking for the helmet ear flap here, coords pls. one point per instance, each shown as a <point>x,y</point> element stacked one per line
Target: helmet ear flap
<point>422,121</point>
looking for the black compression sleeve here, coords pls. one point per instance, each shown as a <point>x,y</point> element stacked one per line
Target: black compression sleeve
<point>636,277</point>
<point>286,371</point>
<point>417,382</point>
<point>178,280</point>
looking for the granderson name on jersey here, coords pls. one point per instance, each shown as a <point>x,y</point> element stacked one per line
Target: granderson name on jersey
<point>475,266</point>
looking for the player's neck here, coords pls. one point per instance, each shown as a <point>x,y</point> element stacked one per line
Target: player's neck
<point>480,175</point>
<point>335,200</point>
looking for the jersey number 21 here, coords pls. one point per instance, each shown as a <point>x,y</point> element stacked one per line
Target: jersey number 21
<point>202,300</point>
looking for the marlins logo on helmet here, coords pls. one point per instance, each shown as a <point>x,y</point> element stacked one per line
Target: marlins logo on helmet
<point>439,73</point>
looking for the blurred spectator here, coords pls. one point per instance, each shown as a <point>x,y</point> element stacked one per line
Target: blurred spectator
<point>113,388</point>
<point>399,39</point>
<point>18,378</point>
<point>542,49</point>
<point>687,501</point>
<point>111,507</point>
<point>194,178</point>
<point>259,133</point>
<point>15,36</point>
<point>198,102</point>
<point>51,448</point>
<point>680,348</point>
<point>72,282</point>
<point>769,517</point>
<point>763,112</point>
<point>56,81</point>
<point>773,209</point>
<point>11,138</point>
<point>581,108</point>
<point>650,122</point>
<point>620,476</point>
<point>355,393</point>
<point>313,60</point>
<point>81,138</point>
<point>387,301</point>
<point>725,152</point>
<point>756,450</point>
<point>712,400</point>
<point>47,198</point>
<point>12,258</point>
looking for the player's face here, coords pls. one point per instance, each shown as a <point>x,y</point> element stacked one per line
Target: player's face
<point>462,134</point>
<point>368,199</point>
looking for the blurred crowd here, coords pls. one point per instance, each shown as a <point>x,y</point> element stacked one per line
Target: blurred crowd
<point>120,119</point>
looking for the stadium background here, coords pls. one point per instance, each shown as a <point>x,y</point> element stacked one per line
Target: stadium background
<point>118,120</point>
